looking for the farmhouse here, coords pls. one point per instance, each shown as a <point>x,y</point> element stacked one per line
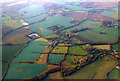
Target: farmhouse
<point>33,36</point>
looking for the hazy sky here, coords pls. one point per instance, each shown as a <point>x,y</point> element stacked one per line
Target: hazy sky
<point>63,0</point>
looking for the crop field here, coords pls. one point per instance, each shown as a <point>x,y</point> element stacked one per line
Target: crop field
<point>52,36</point>
<point>12,21</point>
<point>17,37</point>
<point>115,47</point>
<point>56,75</point>
<point>75,40</point>
<point>86,24</point>
<point>42,59</point>
<point>59,49</point>
<point>107,47</point>
<point>75,8</point>
<point>18,71</point>
<point>97,17</point>
<point>80,15</point>
<point>77,50</point>
<point>11,51</point>
<point>27,53</point>
<point>7,55</point>
<point>113,32</point>
<point>34,28</point>
<point>107,13</point>
<point>3,67</point>
<point>115,15</point>
<point>36,10</point>
<point>94,36</point>
<point>100,66</point>
<point>35,19</point>
<point>114,74</point>
<point>90,24</point>
<point>55,58</point>
<point>43,41</point>
<point>56,20</point>
<point>98,29</point>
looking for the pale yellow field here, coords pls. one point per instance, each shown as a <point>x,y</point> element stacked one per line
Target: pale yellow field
<point>107,47</point>
<point>58,49</point>
<point>41,39</point>
<point>42,59</point>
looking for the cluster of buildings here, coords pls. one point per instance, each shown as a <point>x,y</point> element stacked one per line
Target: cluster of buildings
<point>33,36</point>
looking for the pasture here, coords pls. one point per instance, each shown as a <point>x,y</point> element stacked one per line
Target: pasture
<point>52,36</point>
<point>42,59</point>
<point>36,18</point>
<point>77,50</point>
<point>55,58</point>
<point>17,37</point>
<point>28,53</point>
<point>51,21</point>
<point>59,49</point>
<point>115,47</point>
<point>86,24</point>
<point>11,51</point>
<point>114,74</point>
<point>12,21</point>
<point>107,13</point>
<point>23,71</point>
<point>98,17</point>
<point>110,37</point>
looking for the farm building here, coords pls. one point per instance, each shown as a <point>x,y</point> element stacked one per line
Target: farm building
<point>33,36</point>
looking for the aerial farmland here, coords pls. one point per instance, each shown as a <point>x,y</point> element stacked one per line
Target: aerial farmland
<point>54,39</point>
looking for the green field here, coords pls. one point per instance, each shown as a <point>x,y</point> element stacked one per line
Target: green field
<point>35,19</point>
<point>75,40</point>
<point>100,67</point>
<point>51,21</point>
<point>86,24</point>
<point>81,8</point>
<point>72,7</point>
<point>59,49</point>
<point>55,58</point>
<point>27,53</point>
<point>115,47</point>
<point>114,74</point>
<point>17,37</point>
<point>98,29</point>
<point>86,46</point>
<point>23,71</point>
<point>3,67</point>
<point>113,32</point>
<point>11,51</point>
<point>31,11</point>
<point>77,50</point>
<point>12,21</point>
<point>110,37</point>
<point>52,36</point>
<point>107,13</point>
